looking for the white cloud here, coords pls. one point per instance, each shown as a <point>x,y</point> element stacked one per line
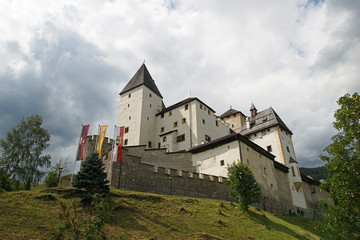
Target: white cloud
<point>69,60</point>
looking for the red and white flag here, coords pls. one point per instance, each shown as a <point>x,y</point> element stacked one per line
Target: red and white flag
<point>119,135</point>
<point>84,133</point>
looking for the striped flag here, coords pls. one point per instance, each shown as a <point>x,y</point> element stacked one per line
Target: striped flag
<point>119,135</point>
<point>101,138</point>
<point>84,133</point>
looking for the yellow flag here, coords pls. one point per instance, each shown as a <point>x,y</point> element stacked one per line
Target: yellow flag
<point>101,139</point>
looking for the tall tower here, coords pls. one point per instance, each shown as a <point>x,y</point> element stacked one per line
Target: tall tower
<point>140,100</point>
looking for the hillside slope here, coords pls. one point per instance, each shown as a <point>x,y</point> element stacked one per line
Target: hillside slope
<point>134,215</point>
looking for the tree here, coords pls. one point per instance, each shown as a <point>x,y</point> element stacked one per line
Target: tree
<point>22,148</point>
<point>91,177</point>
<point>242,185</point>
<point>342,159</point>
<point>51,179</point>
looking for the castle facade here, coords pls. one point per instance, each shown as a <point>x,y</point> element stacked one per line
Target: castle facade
<point>191,147</point>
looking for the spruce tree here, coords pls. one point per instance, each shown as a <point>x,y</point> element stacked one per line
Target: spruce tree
<point>91,178</point>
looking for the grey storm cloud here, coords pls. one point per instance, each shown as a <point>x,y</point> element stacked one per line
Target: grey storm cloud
<point>68,61</point>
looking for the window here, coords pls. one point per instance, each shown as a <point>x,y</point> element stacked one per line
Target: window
<point>268,130</point>
<point>164,139</point>
<point>232,125</point>
<point>175,124</point>
<point>216,123</point>
<point>162,115</point>
<point>130,95</point>
<point>159,146</point>
<point>149,94</point>
<point>180,138</point>
<point>129,117</point>
<point>203,121</point>
<point>126,129</point>
<point>186,106</point>
<point>207,138</point>
<point>148,118</point>
<point>287,148</point>
<point>222,162</point>
<point>170,113</point>
<point>162,129</point>
<point>269,148</point>
<point>128,105</point>
<point>201,106</point>
<point>183,120</point>
<point>149,144</point>
<point>265,170</point>
<point>208,111</point>
<point>125,142</point>
<point>255,134</point>
<point>204,108</point>
<point>293,171</point>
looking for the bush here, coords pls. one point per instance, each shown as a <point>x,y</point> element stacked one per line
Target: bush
<point>242,185</point>
<point>51,179</point>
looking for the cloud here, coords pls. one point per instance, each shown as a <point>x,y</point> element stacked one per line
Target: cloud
<point>69,60</point>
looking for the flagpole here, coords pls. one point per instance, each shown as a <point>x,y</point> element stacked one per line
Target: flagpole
<point>112,159</point>
<point>72,175</point>
<point>97,138</point>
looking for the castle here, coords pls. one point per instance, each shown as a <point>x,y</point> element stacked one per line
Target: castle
<point>184,149</point>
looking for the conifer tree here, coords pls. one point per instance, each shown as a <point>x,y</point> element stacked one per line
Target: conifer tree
<point>91,178</point>
<point>242,185</point>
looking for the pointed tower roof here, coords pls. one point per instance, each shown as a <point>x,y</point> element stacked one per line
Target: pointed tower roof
<point>142,77</point>
<point>252,107</point>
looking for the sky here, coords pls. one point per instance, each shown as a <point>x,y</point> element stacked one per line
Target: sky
<point>68,60</point>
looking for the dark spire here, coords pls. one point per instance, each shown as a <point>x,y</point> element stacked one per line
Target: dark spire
<point>142,76</point>
<point>253,110</point>
<point>253,107</point>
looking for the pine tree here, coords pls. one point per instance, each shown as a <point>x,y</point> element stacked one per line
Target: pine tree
<point>242,185</point>
<point>91,178</point>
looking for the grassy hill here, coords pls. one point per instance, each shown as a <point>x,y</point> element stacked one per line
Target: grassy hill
<point>133,215</point>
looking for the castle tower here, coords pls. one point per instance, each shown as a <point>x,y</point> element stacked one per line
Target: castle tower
<point>266,129</point>
<point>140,100</point>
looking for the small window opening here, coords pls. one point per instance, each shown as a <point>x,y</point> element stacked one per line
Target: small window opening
<point>222,162</point>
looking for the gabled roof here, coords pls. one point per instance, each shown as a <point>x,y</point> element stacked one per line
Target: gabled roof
<point>182,103</point>
<point>142,77</point>
<point>263,120</point>
<point>227,139</point>
<point>230,112</point>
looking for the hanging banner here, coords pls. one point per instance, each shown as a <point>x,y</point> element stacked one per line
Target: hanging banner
<point>83,136</point>
<point>101,138</point>
<point>119,141</point>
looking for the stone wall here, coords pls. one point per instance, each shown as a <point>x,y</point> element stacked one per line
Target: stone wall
<point>159,172</point>
<point>143,177</point>
<point>313,194</point>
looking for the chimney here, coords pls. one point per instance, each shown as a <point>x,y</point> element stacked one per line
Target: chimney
<point>247,123</point>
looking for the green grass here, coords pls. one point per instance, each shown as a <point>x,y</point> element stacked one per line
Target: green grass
<point>133,215</point>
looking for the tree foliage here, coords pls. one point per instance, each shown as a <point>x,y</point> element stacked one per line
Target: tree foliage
<point>22,148</point>
<point>51,179</point>
<point>91,177</point>
<point>242,185</point>
<point>342,159</point>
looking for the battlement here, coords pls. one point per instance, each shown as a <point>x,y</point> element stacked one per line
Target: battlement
<point>186,174</point>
